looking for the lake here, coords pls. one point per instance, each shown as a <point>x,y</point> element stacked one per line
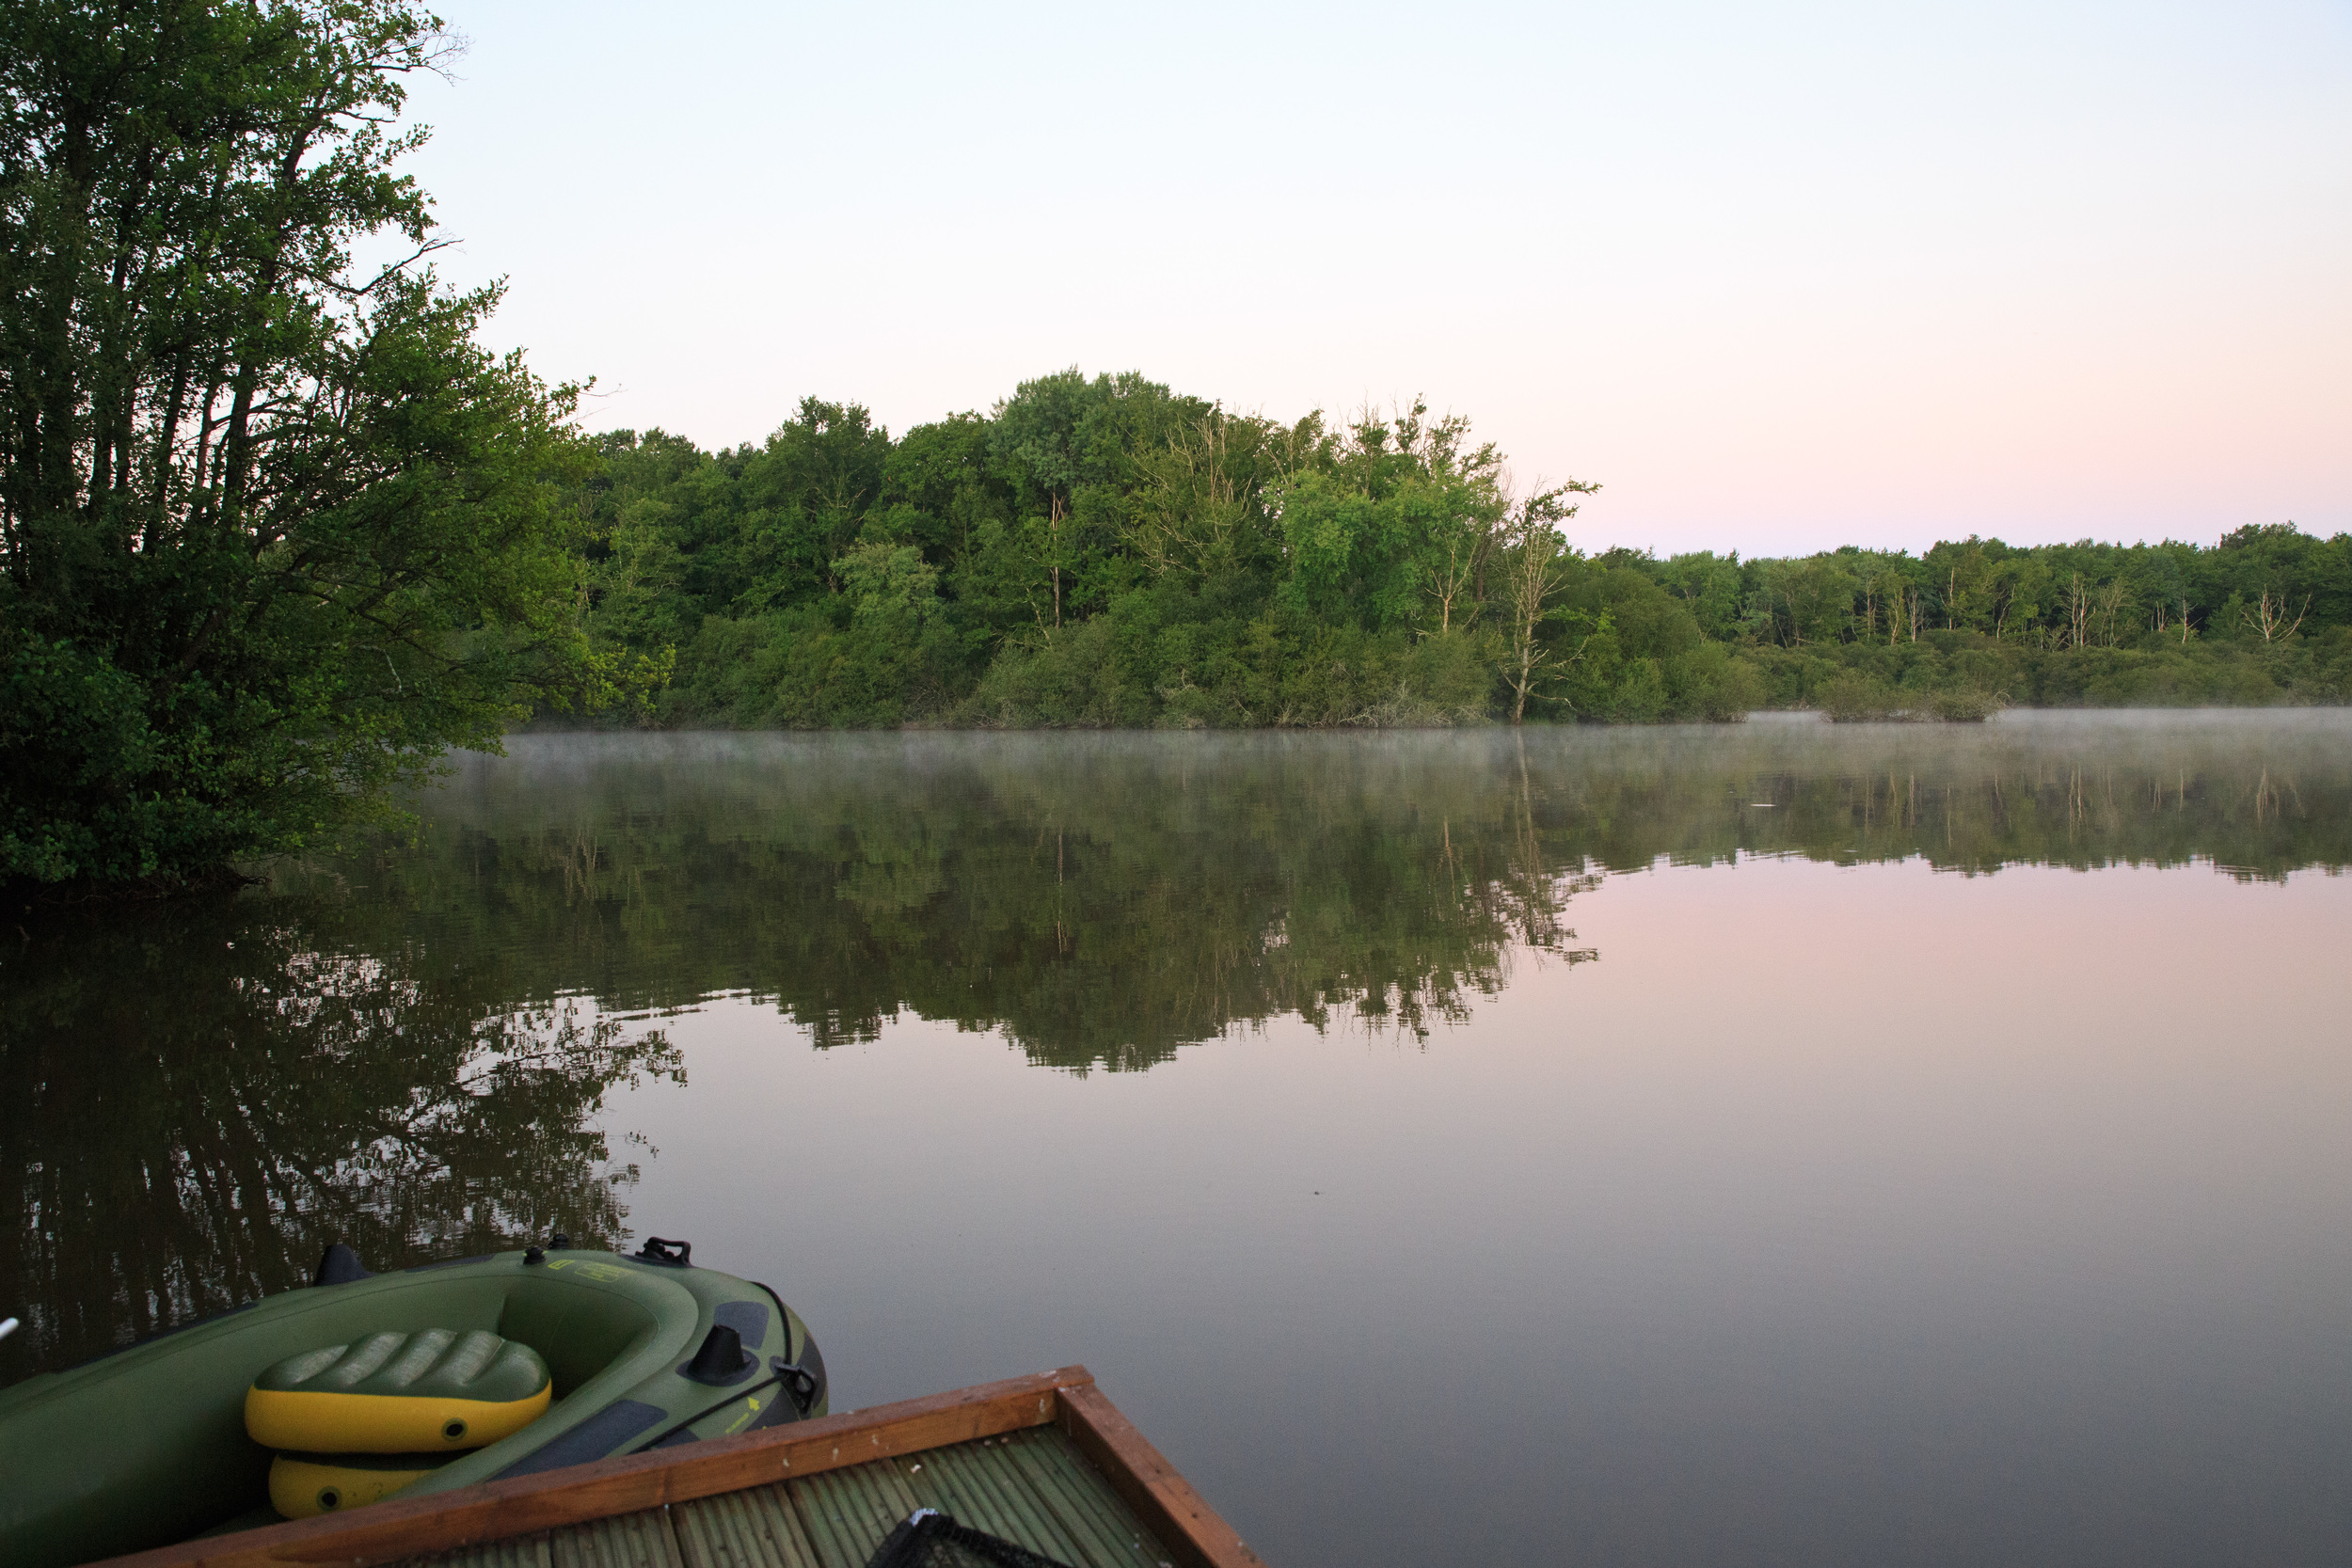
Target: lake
<point>1778,1143</point>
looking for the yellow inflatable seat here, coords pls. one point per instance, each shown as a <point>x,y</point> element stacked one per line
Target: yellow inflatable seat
<point>433,1391</point>
<point>303,1486</point>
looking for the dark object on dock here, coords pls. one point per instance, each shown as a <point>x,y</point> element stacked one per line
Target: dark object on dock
<point>1044,1461</point>
<point>929,1538</point>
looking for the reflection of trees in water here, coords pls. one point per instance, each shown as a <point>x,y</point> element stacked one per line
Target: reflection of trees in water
<point>197,1099</point>
<point>1102,903</point>
<point>194,1099</point>
<point>2256,800</point>
<point>1104,900</point>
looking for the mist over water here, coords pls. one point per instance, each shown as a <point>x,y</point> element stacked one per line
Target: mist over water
<point>1776,1143</point>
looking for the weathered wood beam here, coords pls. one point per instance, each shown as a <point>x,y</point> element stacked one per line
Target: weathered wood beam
<point>1162,1499</point>
<point>496,1510</point>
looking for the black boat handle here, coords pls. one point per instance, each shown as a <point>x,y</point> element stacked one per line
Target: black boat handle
<point>798,1384</point>
<point>656,1250</point>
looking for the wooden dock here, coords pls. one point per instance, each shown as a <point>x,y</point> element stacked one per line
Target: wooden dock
<point>1045,1461</point>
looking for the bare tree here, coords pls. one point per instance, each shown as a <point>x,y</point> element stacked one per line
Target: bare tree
<point>1204,489</point>
<point>2269,614</point>
<point>2113,600</point>
<point>2079,607</point>
<point>1457,563</point>
<point>1531,576</point>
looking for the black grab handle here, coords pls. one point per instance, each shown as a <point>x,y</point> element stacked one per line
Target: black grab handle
<point>676,1253</point>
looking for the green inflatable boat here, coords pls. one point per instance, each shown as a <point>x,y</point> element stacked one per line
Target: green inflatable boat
<point>364,1385</point>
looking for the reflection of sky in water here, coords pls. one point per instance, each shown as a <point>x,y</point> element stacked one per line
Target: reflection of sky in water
<point>1835,1216</point>
<point>1844,1211</point>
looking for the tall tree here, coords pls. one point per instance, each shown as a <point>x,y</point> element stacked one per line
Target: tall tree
<point>1396,524</point>
<point>1200,507</point>
<point>275,530</point>
<point>1531,576</point>
<point>1046,438</point>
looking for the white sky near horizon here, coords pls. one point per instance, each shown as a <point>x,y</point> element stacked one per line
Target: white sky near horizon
<point>1779,279</point>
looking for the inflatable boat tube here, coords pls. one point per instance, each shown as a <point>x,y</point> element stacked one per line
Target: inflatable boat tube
<point>304,1485</point>
<point>148,1445</point>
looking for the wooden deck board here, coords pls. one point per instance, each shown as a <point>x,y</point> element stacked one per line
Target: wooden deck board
<point>850,1510</point>
<point>1079,1493</point>
<point>1045,1461</point>
<point>1032,1488</point>
<point>1161,1497</point>
<point>982,1486</point>
<point>756,1528</point>
<point>527,1551</point>
<point>979,1495</point>
<point>626,1541</point>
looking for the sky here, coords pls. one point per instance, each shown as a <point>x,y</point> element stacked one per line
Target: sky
<point>1777,278</point>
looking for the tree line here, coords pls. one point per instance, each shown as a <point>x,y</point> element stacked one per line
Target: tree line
<point>278,531</point>
<point>1105,552</point>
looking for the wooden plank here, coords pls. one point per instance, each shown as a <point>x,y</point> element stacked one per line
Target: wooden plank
<point>440,1520</point>
<point>629,1540</point>
<point>1077,1491</point>
<point>1165,1500</point>
<point>983,1488</point>
<point>530,1551</point>
<point>753,1528</point>
<point>847,1512</point>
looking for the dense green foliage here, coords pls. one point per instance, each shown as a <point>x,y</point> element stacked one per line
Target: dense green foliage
<point>1107,552</point>
<point>1100,553</point>
<point>275,530</point>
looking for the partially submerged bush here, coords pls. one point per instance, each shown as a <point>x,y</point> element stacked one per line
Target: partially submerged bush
<point>1853,697</point>
<point>1965,706</point>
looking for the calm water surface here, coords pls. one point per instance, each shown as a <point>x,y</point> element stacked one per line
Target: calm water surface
<point>1781,1144</point>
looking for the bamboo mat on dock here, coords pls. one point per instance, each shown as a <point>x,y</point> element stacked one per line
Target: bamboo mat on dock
<point>1032,1487</point>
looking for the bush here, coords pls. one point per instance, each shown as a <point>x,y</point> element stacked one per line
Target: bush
<point>1133,667</point>
<point>1707,682</point>
<point>1852,697</point>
